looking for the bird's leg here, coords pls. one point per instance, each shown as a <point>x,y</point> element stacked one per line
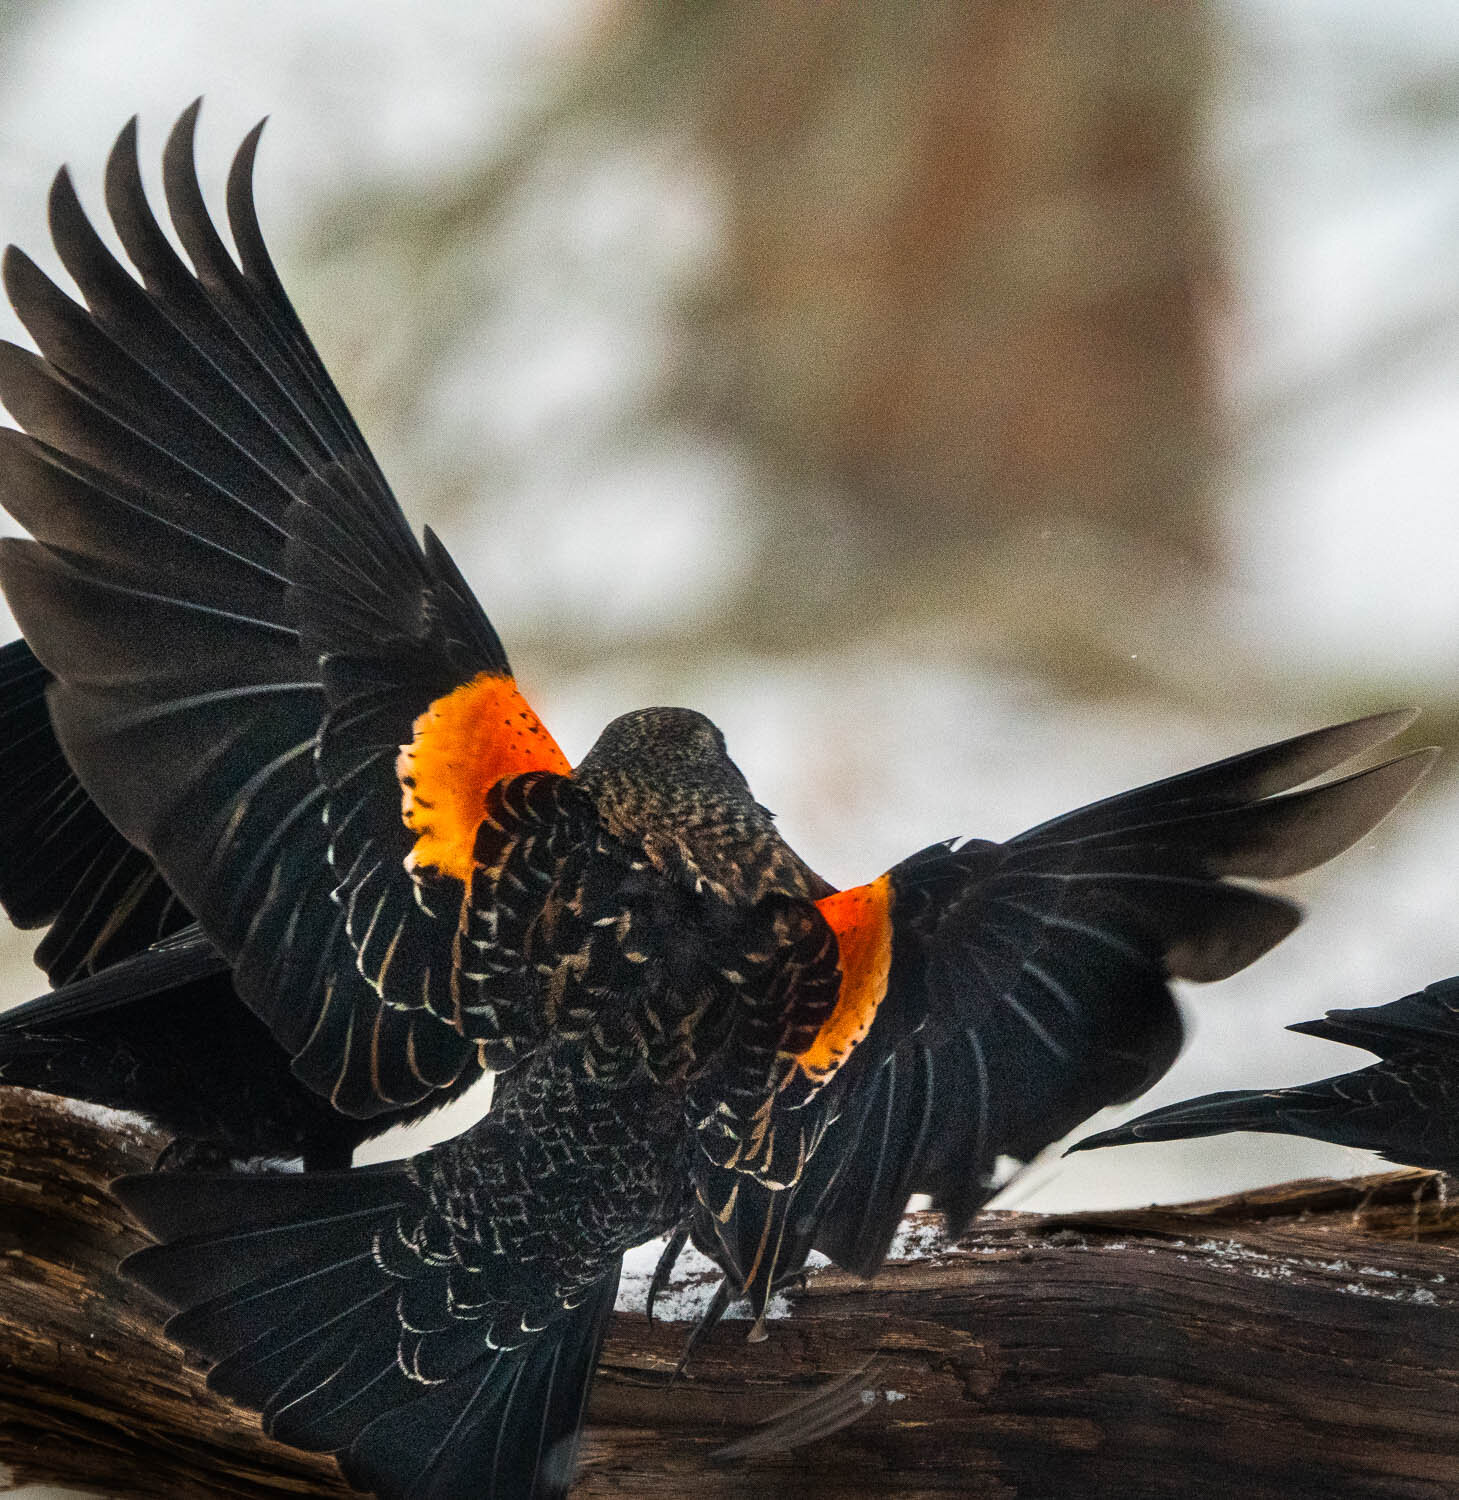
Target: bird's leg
<point>707,1319</point>
<point>673,1247</point>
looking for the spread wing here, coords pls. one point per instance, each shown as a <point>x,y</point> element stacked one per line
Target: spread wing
<point>995,995</point>
<point>245,632</point>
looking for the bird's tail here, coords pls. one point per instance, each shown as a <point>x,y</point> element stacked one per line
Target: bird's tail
<point>317,1305</point>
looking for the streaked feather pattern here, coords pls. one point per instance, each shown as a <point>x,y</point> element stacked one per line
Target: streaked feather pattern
<point>202,483</point>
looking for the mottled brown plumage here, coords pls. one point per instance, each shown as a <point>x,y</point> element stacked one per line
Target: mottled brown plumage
<point>662,777</point>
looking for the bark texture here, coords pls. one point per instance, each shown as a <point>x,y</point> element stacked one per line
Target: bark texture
<point>1303,1341</point>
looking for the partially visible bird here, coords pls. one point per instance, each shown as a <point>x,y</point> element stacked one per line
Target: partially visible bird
<point>144,1016</point>
<point>1405,1106</point>
<point>302,717</point>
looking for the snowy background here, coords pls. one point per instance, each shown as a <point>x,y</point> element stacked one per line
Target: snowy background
<point>632,551</point>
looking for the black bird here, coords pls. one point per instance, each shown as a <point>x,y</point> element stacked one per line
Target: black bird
<point>303,718</point>
<point>156,1030</point>
<point>1405,1107</point>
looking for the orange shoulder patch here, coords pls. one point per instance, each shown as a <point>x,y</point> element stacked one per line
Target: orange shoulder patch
<point>463,745</point>
<point>861,918</point>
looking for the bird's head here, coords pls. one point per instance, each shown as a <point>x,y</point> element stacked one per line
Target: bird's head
<point>663,781</point>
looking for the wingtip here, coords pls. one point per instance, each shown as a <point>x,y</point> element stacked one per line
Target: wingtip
<point>188,119</point>
<point>12,258</point>
<point>247,153</point>
<point>1388,723</point>
<point>62,188</point>
<point>1222,1113</point>
<point>1298,831</point>
<point>1321,751</point>
<point>1427,754</point>
<point>1397,778</point>
<point>179,149</point>
<point>1128,1134</point>
<point>1089,1142</point>
<point>1320,1028</point>
<point>122,175</point>
<point>127,136</point>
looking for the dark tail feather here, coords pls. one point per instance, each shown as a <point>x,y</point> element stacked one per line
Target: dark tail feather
<point>1406,1106</point>
<point>1405,1111</point>
<point>290,1286</point>
<point>504,1429</point>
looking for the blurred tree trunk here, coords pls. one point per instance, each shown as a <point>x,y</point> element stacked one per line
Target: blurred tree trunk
<point>970,255</point>
<point>963,297</point>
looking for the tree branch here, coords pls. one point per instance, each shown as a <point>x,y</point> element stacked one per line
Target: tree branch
<point>1300,1342</point>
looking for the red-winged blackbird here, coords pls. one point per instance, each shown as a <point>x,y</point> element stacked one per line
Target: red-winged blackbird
<point>305,720</point>
<point>1403,1107</point>
<point>127,1027</point>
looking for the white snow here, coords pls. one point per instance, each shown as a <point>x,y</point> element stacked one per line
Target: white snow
<point>689,1292</point>
<point>917,1241</point>
<point>99,1114</point>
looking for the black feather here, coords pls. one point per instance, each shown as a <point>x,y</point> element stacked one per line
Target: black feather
<point>1405,1107</point>
<point>362,1314</point>
<point>197,492</point>
<point>1029,988</point>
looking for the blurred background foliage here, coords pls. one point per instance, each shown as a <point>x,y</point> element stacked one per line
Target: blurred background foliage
<point>976,408</point>
<point>937,279</point>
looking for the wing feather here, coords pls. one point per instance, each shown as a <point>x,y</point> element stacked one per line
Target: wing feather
<point>242,627</point>
<point>1028,986</point>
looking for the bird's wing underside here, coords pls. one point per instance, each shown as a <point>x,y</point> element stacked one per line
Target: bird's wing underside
<point>62,865</point>
<point>245,632</point>
<point>995,995</point>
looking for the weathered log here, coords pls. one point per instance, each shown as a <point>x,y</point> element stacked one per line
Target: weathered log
<point>1303,1341</point>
